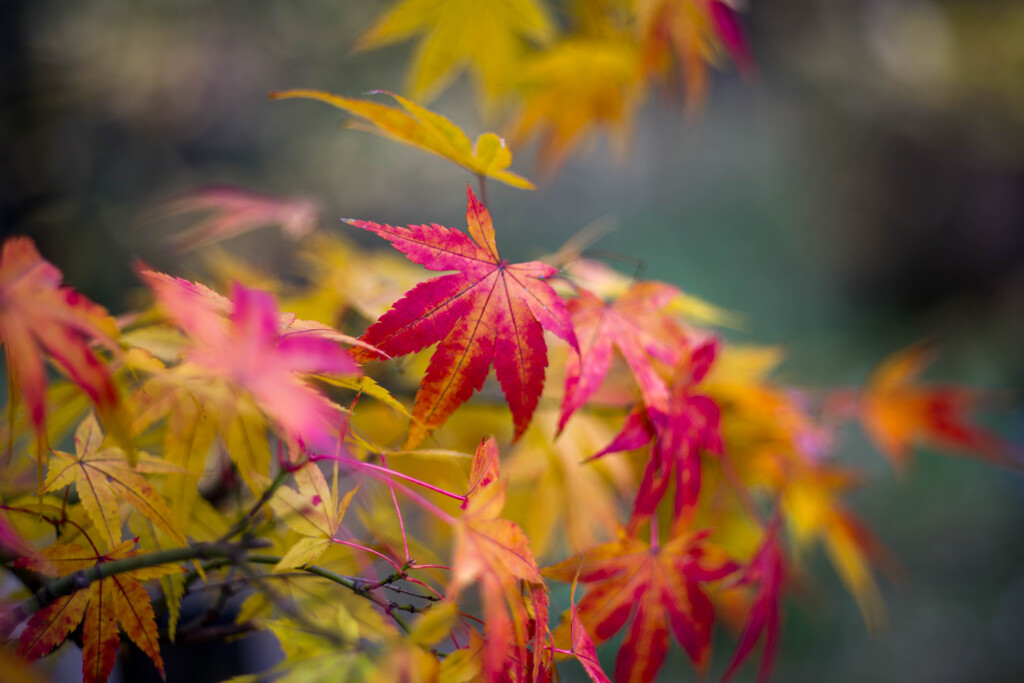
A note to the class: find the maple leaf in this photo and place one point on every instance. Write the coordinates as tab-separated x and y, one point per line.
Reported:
584	651
39	316
654	588
235	211
488	38
897	411
634	323
104	478
260	351
766	570
489	312
691	32
496	553
419	127
189	435
314	511
574	87
688	426
120	599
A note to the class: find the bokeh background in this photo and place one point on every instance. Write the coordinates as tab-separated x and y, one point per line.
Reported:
864	193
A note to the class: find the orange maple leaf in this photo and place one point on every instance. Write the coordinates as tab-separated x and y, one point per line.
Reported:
118	599
897	411
691	34
496	553
573	88
39	318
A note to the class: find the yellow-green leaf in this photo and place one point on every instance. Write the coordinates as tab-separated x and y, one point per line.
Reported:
370	387
248	445
306	551
190	433
435	624
313	510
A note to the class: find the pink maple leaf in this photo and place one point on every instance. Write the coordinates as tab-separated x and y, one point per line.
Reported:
256	348
235	211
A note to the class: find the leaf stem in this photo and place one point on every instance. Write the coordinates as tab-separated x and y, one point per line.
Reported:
482	180
357	546
398	510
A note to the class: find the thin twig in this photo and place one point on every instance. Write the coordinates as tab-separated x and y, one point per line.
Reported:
246	522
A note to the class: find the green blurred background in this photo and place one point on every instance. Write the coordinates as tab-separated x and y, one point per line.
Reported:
864	193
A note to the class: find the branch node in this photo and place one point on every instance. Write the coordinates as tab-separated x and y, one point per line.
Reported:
80	580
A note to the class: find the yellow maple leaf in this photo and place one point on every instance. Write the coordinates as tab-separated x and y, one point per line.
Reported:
551	487
343	278
419	127
574	88
487	38
104	478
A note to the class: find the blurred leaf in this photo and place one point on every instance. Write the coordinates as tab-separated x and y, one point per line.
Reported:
419	127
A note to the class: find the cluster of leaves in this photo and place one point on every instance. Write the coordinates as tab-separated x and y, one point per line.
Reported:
227	443
564	80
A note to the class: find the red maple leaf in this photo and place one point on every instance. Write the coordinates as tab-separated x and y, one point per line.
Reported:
688	426
488	312
655	588
636	325
766	571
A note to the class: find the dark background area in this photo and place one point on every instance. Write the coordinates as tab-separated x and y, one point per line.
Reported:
864	193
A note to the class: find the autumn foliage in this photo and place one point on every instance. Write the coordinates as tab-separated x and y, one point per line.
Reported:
334	449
